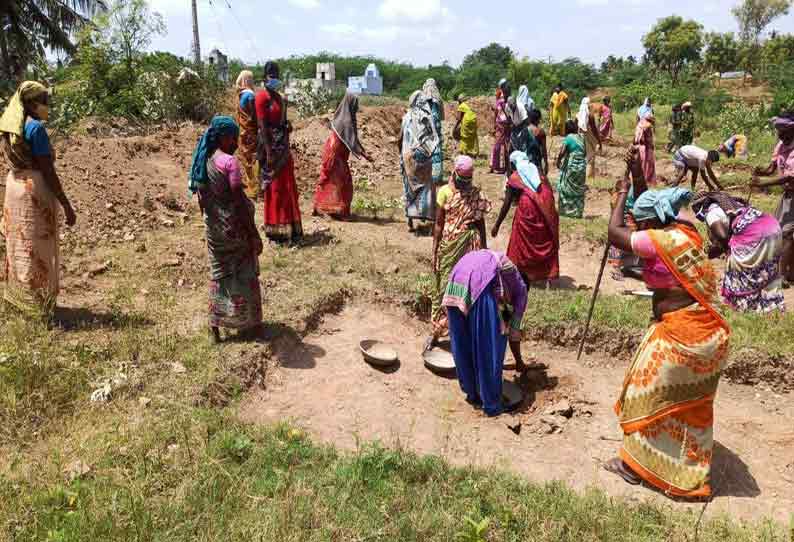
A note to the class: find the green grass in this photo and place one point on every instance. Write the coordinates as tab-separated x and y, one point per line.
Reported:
203	476
593	230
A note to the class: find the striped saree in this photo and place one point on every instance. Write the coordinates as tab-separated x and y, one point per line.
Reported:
666	408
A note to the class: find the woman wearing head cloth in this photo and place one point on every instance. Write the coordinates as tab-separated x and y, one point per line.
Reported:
499	151
33	193
572	163
535	237
644	139
753	242
783	165
334	192
522	138
417	143
246	118
233	242
589	131
433	97
666	406
282	214
607	123
459	229
465	130
645	109
560	111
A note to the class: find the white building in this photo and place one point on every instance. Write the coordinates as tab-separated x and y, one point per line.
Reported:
370	83
221	63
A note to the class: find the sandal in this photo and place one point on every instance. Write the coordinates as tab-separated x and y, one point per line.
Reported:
617	466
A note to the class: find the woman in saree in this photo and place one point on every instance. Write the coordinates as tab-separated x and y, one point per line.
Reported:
560	111
233	242
645	110
572	163
246	119
418	141
753	242
783	165
607	123
644	139
735	147
334	191
459	229
535	237
277	168
522	138
666	407
33	194
465	130
501	132
485	300
433	97
589	131
541	159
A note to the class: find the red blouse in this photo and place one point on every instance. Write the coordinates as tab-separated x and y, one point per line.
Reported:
268	108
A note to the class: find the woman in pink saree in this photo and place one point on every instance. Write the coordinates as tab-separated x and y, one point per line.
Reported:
644	139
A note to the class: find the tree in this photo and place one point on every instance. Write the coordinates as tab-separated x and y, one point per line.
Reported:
493	55
32	26
672	44
753	16
722	52
130	27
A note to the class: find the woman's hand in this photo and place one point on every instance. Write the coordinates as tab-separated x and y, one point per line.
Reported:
622	185
435	262
495	230
71	217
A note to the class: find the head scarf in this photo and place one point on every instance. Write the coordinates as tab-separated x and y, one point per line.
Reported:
515	112
686	105
661	204
783	123
524	100
219	127
704	200
528	171
420	130
464	167
584	114
13	119
645	109
430	90
245	80
344	123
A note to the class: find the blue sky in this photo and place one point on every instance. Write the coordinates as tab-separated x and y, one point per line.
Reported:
431	31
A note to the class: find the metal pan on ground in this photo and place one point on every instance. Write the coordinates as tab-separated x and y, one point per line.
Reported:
378	353
511	395
439	361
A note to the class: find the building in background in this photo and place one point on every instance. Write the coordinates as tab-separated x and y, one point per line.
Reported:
370	83
325	78
221	64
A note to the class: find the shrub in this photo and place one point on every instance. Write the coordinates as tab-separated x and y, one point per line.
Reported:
310	101
741	118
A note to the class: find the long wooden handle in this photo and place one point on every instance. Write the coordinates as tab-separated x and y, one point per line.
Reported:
593	301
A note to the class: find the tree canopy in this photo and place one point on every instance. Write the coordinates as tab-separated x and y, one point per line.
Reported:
672	44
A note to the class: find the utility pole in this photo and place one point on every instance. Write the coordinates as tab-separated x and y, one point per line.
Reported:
196	43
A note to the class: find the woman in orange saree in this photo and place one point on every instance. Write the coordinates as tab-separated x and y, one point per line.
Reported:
246	119
666	407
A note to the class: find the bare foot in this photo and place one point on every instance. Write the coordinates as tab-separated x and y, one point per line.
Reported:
617	466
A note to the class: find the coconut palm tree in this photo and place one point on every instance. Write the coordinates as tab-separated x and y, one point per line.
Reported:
29	27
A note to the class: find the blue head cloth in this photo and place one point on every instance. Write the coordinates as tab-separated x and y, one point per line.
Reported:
662	204
528	171
219	127
274	84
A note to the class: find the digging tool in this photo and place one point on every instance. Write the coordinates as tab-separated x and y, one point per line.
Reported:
593	301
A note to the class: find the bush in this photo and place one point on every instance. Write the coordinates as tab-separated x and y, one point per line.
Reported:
310	101
741	118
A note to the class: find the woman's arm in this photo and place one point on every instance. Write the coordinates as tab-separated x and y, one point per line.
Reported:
508	201
438	230
544	152
561	156
241	203
710	177
47	168
483	236
768	172
592	126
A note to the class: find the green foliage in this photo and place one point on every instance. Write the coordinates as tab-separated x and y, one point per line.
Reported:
672	44
574	75
753	16
474	531
492	54
741	118
310	100
722	52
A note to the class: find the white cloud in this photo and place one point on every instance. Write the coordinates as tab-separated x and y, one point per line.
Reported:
305	4
339	29
412	10
281	20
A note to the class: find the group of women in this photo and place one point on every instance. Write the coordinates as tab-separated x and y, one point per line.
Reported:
666	404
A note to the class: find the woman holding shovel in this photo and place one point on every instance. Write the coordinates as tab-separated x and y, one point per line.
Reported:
666	407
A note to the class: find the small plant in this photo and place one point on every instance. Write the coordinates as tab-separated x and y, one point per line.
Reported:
473	531
311	100
235	446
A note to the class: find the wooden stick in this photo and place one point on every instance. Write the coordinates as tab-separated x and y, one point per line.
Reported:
593	301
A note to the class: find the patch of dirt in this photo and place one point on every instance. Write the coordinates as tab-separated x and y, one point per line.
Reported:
324	385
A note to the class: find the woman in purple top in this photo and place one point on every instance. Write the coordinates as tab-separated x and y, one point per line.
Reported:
485	302
233	242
